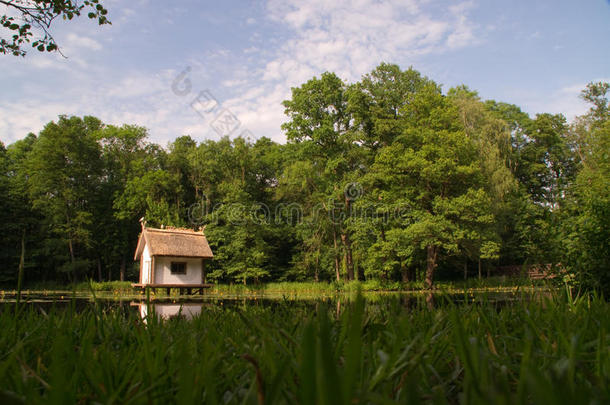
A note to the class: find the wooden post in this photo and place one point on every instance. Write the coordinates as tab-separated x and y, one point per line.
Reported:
203	277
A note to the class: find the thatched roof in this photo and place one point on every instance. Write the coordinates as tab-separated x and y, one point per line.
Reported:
173	242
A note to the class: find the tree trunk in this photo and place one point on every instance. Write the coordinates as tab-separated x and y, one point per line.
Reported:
465	269
480	268
404	271
337	270
430	301
71	250
347	244
384	258
21	265
122	275
99	270
349	262
71	247
432	253
316	276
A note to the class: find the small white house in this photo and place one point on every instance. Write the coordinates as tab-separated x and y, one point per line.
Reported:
173	258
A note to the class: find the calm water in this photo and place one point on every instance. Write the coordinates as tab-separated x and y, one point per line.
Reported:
189	307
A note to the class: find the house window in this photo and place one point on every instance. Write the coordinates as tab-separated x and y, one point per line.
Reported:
178	268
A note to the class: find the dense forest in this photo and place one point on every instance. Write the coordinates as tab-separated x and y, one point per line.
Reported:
389	178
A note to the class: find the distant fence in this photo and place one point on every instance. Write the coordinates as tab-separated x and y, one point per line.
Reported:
533	271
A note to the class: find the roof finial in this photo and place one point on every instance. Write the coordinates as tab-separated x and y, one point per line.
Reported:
143	222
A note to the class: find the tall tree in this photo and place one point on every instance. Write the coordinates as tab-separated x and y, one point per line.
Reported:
20	216
123	154
435	172
586	218
376	103
240	224
64	170
320	124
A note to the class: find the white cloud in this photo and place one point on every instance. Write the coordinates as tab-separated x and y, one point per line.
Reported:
565	100
133	98
82	41
350	38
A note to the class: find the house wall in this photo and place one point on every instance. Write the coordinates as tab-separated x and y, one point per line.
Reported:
145	262
189	311
166	311
163	270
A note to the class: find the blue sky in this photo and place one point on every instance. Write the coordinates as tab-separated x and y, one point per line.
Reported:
248	54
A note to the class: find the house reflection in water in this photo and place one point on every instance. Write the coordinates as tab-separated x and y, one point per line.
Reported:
166	310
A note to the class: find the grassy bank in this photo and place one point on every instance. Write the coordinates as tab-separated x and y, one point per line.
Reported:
556	351
324	288
310	288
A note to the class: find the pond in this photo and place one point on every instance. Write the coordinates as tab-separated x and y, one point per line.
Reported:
188	307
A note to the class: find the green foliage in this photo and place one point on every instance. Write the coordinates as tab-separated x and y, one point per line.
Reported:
34	19
433	171
112	286
586	221
63	171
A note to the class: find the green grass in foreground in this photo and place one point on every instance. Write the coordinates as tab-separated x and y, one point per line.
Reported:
552	352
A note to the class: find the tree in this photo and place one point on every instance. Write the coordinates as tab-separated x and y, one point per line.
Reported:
492	138
34	19
433	170
18	216
247	244
377	101
301	193
64	169
319	124
376	104
7	272
124	149
586	219
542	159
179	165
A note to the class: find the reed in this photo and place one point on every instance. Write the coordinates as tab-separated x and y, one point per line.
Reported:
552	350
